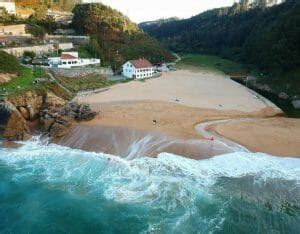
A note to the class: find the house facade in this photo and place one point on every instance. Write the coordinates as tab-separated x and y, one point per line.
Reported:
138	69
71	59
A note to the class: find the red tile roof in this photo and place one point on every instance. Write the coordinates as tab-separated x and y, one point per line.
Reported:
3	39
67	56
141	63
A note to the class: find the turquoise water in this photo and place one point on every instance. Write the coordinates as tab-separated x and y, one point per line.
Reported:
53	189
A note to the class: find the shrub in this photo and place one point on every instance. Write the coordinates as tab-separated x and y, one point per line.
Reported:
30	54
9	63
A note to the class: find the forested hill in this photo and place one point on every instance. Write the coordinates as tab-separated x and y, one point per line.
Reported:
267	36
114	37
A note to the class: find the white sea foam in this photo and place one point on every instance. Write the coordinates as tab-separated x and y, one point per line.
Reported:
143	179
168	183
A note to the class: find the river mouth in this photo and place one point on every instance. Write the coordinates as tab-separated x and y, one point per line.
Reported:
285	105
130	143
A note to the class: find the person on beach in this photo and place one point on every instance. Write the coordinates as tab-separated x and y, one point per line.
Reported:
212	140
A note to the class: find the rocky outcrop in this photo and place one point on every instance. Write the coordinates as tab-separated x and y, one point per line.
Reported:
57	121
12	124
24	112
53	123
284	96
32	101
58	130
51	112
53	101
79	112
296	103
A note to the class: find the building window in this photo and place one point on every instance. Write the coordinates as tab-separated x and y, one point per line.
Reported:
64	63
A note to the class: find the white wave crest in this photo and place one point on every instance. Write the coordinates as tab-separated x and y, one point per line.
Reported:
143	179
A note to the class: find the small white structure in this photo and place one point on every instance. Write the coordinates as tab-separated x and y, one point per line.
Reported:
71	59
9	6
138	69
163	68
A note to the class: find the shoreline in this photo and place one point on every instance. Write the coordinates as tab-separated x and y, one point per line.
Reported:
127	124
177	102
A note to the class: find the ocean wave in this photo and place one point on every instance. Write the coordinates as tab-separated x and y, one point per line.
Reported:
143	175
177	186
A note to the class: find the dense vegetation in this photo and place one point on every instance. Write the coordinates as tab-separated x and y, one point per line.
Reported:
115	38
63	5
252	32
212	63
8	63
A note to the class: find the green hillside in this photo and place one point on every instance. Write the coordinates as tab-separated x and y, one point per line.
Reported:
251	32
115	38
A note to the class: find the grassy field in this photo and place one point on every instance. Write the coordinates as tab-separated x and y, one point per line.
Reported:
214	63
23	82
84	83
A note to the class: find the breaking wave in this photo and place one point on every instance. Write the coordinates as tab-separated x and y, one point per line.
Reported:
58	189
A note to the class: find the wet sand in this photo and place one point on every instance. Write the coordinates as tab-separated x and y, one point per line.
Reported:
127	129
131	143
276	136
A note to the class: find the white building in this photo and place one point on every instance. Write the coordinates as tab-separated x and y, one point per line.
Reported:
138	69
9	6
71	59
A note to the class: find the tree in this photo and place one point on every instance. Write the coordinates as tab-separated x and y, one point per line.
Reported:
30	54
37	31
245	4
40	13
4	15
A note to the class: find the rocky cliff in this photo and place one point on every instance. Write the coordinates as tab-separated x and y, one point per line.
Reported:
52	115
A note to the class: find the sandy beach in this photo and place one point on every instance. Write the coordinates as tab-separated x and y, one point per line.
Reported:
206	90
180	100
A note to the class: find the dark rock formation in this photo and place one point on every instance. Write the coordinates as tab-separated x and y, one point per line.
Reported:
79	112
296	103
283	96
54	123
12	124
58	130
53	114
32	101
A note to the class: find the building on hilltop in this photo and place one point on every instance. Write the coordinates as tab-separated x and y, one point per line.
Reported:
138	69
9	6
71	59
38	49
